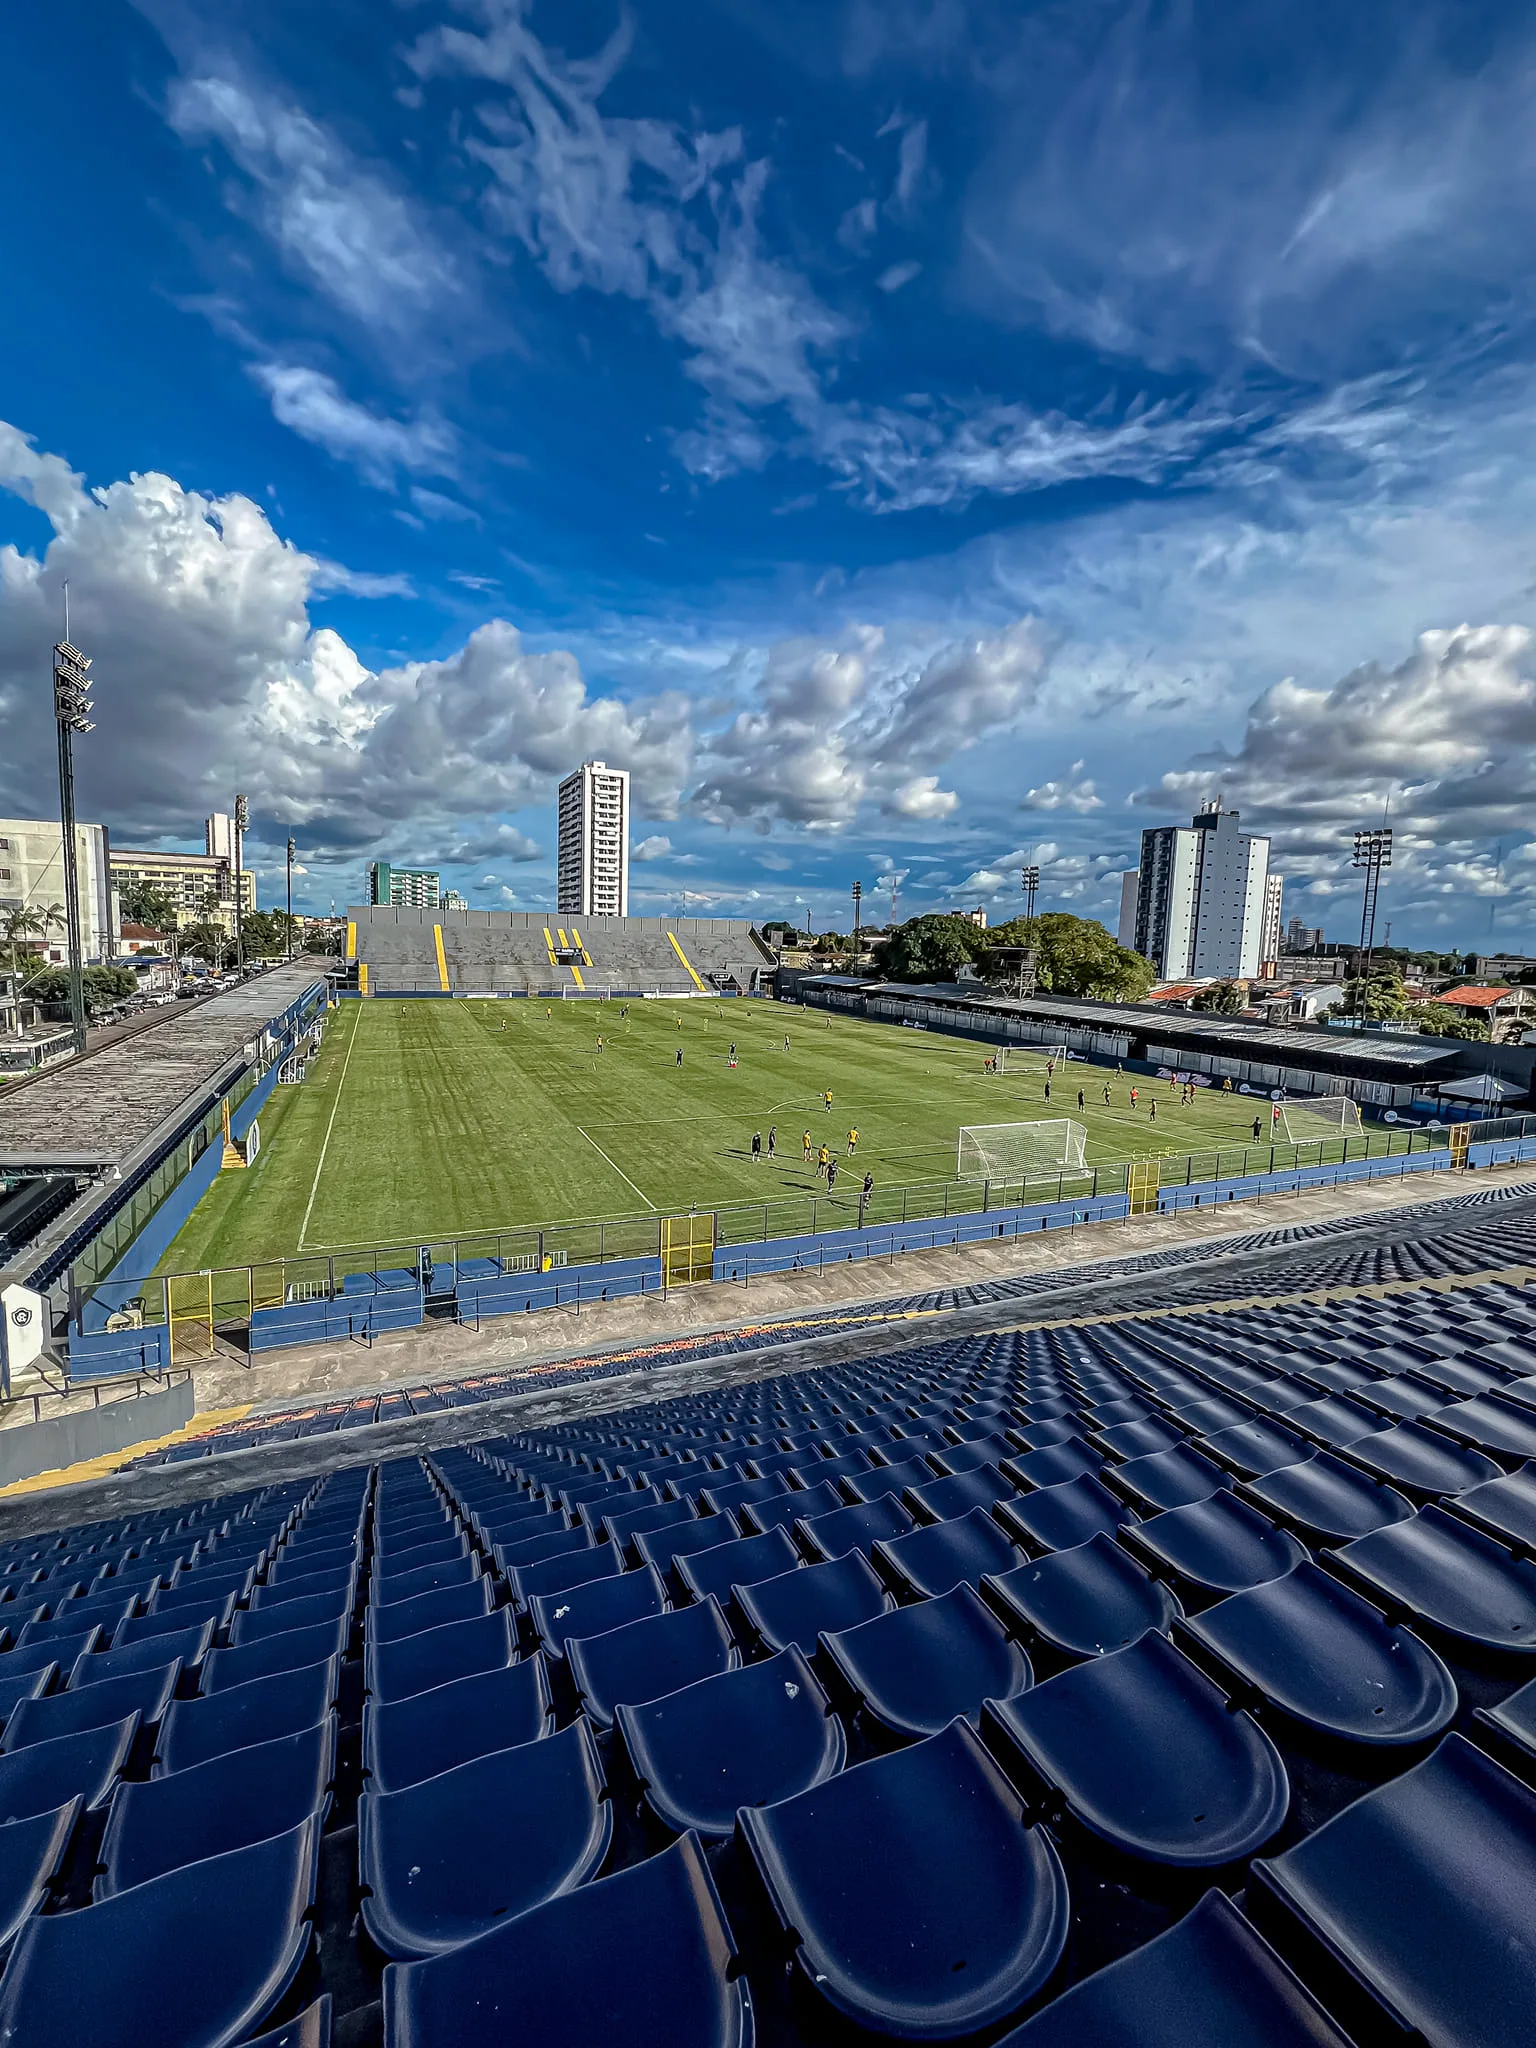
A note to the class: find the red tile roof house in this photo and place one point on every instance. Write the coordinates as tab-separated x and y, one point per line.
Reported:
1508	1010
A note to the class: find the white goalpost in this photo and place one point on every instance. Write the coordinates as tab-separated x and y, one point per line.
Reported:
1320	1116
1014	1151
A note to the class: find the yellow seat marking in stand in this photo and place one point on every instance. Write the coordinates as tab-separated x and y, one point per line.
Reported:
677	949
442	963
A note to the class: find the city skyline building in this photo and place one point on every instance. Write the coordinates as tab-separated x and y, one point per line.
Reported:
32	878
405	888
593	872
1200	896
1274	907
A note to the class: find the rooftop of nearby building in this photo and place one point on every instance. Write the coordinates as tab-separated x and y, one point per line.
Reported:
1470	996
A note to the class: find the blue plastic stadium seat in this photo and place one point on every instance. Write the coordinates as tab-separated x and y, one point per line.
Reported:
1209	1982
1328	1659
1217	1792
746	1562
399	1561
295	1652
593	1609
437	1656
32	1854
562	1574
443	1860
783	1510
644	1958
646	1659
1448	1575
945	1500
1250	1448
226	1803
1219	1545
742	1738
1140	1438
944	1554
315	1610
145	1693
430	1610
883	1480
24	1684
1058	1517
1514	1719
1506	1508
832	1535
526	1550
1054	1464
338	1580
921	1904
195	1958
1421	1462
1492	1423
390	1590
1084	1601
194	1731
661	1546
186	1646
312	2029
1327	1498
1423	1890
799	1606
452	1724
1168	1479
971	1452
914	1670
621	1529
740	1493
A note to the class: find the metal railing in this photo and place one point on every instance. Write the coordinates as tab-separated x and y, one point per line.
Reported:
199	1303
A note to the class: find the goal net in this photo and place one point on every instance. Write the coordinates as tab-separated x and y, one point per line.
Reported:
1014	1151
1323	1116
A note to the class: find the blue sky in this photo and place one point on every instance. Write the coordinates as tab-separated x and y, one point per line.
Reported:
911	437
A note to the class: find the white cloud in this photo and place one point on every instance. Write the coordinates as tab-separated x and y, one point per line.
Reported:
899	274
657	847
314	406
922	798
343	227
1070	793
433	505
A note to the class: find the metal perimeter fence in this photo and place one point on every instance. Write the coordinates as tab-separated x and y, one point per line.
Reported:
228	1296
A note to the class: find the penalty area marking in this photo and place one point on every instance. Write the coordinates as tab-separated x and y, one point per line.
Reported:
623	1176
330	1126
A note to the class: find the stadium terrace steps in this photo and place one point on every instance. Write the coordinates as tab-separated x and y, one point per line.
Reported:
947	1762
488	952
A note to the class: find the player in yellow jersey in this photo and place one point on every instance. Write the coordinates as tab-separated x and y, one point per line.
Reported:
853	1141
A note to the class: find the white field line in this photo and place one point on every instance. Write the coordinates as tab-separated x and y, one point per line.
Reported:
330	1126
623	1176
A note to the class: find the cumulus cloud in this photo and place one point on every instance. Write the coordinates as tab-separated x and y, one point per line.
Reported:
899	274
921	798
1448	736
1071	793
657	847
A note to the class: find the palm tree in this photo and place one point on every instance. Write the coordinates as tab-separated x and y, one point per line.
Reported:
19	924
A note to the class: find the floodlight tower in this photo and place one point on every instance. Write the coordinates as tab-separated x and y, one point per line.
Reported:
290	896
858	911
1029	882
70	705
1373	852
242	819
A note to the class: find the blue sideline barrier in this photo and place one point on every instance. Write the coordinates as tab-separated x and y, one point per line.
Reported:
1294	1180
508	1294
814	1251
317	1322
106	1354
1502	1152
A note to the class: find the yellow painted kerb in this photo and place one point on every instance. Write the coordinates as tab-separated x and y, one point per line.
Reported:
677	949
442	963
351	939
362	977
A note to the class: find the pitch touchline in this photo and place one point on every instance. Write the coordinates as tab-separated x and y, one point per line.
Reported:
330	1126
623	1176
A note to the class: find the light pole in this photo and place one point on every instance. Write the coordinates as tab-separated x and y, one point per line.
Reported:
1029	882
242	819
290	897
858	908
1373	852
70	705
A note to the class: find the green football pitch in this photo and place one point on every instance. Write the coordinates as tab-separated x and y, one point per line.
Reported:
428	1120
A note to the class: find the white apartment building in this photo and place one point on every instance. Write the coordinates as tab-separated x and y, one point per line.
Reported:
1269	936
1201	896
1130	889
32	878
593	876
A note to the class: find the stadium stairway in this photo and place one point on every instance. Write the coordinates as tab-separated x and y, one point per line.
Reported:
1165	1681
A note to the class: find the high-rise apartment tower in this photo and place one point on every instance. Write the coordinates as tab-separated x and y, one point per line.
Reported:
1201	895
594	842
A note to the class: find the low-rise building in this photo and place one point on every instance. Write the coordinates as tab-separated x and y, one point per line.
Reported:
32	880
1509	1011
199	886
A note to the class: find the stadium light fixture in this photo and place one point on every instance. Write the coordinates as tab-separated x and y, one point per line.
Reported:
1373	852
291	850
70	706
1029	881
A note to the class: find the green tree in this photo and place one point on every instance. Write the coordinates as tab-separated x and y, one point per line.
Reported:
104	987
930	948
1074	956
207	941
19	927
1223	998
143	903
1381	998
266	934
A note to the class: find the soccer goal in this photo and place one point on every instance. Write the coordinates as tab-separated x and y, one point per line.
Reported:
1323	1116
1014	1151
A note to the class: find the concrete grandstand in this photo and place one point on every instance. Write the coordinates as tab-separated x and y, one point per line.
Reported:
395	951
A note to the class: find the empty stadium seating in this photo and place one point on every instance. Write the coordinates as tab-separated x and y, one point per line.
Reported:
1170	1679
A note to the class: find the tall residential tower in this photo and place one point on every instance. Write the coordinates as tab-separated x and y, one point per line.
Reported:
1201	896
594	842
